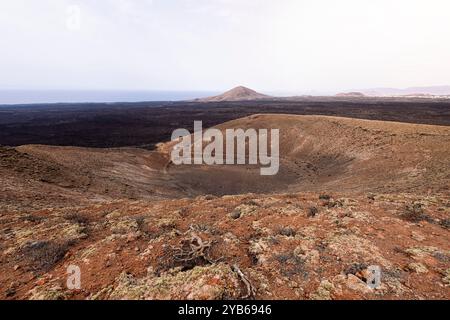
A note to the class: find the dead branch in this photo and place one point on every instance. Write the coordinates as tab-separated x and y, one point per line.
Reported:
193	249
251	290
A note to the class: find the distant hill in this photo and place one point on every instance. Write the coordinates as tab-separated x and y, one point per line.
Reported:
351	94
237	94
412	91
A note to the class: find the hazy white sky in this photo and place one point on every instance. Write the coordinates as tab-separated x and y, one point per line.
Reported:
269	45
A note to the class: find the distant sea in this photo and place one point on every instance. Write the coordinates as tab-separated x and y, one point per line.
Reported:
66	96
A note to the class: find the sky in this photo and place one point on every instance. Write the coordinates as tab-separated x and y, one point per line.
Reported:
298	46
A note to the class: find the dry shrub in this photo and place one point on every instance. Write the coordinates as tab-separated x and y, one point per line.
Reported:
291	265
415	213
42	256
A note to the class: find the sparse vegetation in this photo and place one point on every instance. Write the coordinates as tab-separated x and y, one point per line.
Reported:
445	223
312	212
291	265
42	256
32	218
286	231
415	213
77	218
324	197
355	268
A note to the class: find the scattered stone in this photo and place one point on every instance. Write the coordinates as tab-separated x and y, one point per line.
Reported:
235	214
356	284
312	212
245	209
356	268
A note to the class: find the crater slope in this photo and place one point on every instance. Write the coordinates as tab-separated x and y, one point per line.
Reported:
317	153
320	153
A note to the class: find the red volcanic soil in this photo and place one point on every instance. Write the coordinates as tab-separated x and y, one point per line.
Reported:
350	194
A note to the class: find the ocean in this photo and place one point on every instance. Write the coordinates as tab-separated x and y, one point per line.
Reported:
8	97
